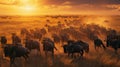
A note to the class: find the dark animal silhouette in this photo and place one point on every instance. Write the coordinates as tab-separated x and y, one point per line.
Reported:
56	38
24	32
37	35
32	44
83	44
48	46
73	49
15	51
43	31
64	37
98	43
114	43
15	39
3	40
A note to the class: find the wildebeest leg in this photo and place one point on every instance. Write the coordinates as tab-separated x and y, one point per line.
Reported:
72	55
39	51
55	48
26	57
46	53
81	53
95	47
103	46
12	62
53	56
115	50
68	54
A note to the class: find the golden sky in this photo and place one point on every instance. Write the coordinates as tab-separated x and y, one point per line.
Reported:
58	7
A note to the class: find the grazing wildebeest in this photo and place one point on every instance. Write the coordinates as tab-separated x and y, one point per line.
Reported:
32	44
56	38
71	49
83	44
48	46
15	51
114	43
98	42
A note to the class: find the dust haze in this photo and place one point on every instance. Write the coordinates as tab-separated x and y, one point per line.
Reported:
84	27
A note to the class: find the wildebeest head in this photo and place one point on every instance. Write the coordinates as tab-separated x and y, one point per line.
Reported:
65	48
3	40
114	43
7	51
98	42
107	43
87	49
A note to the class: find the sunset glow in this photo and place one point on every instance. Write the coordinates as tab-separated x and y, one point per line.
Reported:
55	7
28	8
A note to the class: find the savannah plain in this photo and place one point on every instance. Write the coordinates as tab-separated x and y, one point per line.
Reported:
77	27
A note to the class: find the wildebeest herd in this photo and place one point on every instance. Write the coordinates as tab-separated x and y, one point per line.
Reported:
33	39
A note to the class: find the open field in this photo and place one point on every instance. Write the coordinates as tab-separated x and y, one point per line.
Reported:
81	27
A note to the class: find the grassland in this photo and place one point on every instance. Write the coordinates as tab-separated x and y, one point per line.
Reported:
99	58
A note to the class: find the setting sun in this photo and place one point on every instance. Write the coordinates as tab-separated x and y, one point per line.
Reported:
28	8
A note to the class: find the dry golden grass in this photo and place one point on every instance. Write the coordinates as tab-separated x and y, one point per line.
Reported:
99	58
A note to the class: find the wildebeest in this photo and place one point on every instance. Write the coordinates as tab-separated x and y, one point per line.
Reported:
32	44
15	51
83	44
56	38
37	35
3	40
64	37
98	43
43	31
53	29
114	43
73	47
24	32
48	46
15	39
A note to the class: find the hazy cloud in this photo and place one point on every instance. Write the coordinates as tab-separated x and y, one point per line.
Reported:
69	6
78	2
86	4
